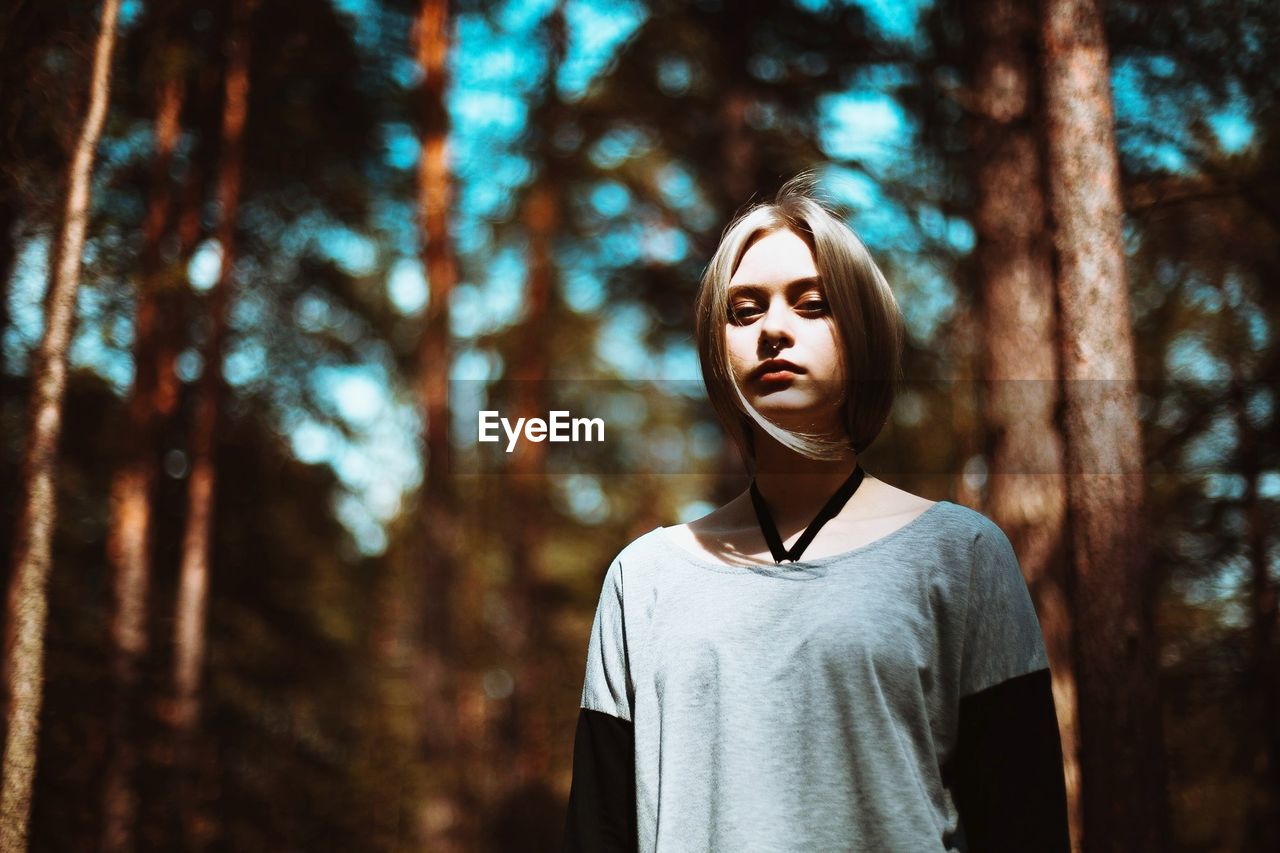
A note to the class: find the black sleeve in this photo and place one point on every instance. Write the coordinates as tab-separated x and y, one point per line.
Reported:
1006	776
602	798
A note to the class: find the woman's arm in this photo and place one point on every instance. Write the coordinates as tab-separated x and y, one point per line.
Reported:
1006	768
602	800
1006	774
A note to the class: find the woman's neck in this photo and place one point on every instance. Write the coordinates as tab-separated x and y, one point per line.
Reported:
796	487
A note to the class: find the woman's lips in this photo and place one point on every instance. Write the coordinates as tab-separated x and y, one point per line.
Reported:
777	371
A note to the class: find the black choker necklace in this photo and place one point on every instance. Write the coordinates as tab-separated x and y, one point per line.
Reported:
828	512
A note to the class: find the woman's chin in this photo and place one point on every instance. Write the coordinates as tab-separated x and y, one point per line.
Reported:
792	411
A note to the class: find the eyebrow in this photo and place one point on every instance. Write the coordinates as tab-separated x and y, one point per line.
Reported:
809	281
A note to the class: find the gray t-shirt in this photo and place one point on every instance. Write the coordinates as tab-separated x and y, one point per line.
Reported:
807	706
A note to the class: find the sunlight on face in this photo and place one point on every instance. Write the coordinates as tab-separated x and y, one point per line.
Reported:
778	310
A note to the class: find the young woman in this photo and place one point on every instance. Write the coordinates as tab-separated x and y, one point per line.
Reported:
825	663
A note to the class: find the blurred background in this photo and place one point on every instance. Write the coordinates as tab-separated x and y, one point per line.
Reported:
288	610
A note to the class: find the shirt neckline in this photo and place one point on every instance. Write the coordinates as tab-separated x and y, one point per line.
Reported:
783	568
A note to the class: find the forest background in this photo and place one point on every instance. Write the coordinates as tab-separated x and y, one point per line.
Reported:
287	603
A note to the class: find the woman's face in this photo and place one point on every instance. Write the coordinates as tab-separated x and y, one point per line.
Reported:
778	311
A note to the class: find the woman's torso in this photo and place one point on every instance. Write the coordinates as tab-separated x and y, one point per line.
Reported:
798	707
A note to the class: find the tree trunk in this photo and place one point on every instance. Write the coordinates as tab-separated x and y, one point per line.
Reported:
191	231
432	575
962	346
739	149
1262	831
737	142
1123	796
9	211
193	582
27	601
1026	489
528	735
731	475
129	533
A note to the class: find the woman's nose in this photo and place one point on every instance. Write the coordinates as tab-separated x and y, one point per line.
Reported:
775	328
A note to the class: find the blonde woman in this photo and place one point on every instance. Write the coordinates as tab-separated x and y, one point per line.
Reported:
826	662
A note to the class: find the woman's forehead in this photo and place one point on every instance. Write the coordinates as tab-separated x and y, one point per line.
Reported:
778	258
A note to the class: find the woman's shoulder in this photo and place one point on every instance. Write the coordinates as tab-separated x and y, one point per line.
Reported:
716	536
638	551
965	535
956	534
965	518
721	522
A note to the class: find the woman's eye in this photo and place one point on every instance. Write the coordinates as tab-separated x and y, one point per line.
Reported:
740	313
814	305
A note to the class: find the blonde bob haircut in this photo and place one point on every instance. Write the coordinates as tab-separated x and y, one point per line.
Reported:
868	324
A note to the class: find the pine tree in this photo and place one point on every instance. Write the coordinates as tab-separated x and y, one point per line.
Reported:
32	557
1123	804
1026	494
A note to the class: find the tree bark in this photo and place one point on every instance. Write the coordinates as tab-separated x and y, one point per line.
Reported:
129	532
9	211
528	736
1124	801
27	602
737	142
1026	488
190	611
432	576
1262	830
962	352
737	146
